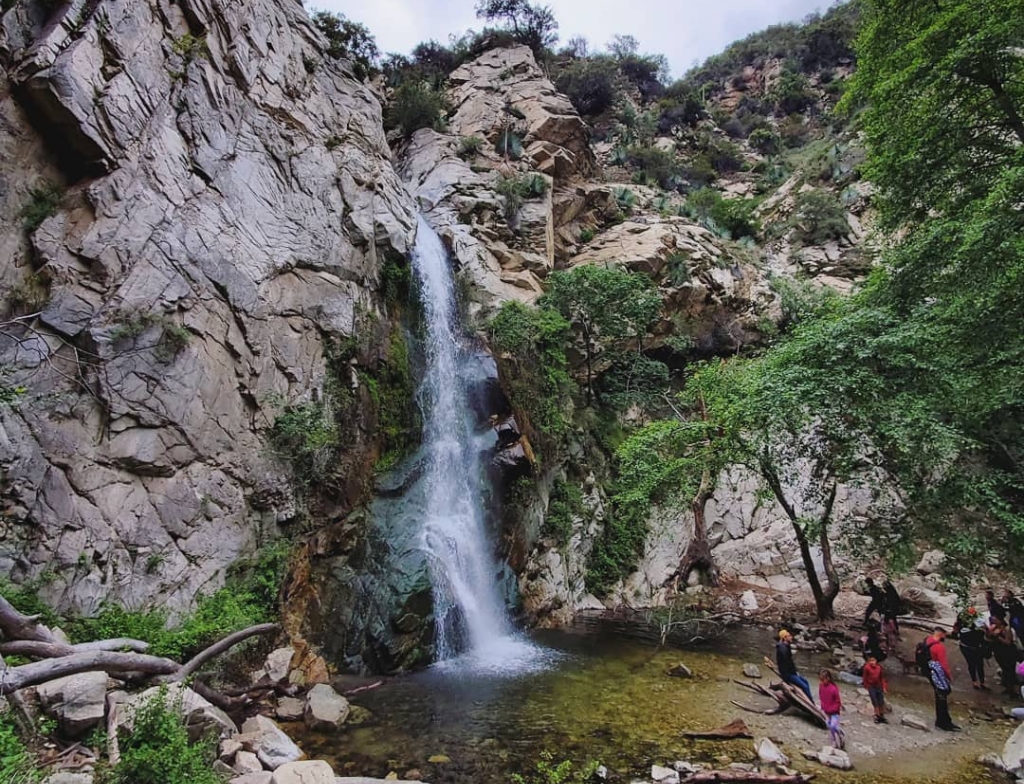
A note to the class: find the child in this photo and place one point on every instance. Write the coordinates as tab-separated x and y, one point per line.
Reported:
875	683
831	705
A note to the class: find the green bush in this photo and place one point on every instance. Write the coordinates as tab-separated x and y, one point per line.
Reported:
415	105
730	218
29	295
764	141
470	147
514	190
509	145
348	40
589	84
818	218
157	750
625	199
565	504
307	435
44	202
586	235
792	94
658	166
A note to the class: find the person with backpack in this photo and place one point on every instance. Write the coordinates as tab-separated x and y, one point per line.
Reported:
874	681
787	667
934	648
969	631
995	609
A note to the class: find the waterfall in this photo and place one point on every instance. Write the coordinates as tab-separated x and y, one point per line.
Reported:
469	612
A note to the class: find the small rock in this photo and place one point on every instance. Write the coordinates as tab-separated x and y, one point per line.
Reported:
743	767
290	708
1013	751
993	761
223	770
276	666
601	773
64	777
769	753
439	759
680	670
247	762
914	722
413	774
849	677
309	772
325	708
834	758
661	775
686	768
751	671
748	602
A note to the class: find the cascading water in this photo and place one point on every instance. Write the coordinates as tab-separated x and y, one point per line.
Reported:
470	616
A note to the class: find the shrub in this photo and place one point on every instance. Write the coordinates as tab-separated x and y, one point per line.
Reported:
29	295
174	337
514	190
189	47
730	218
586	235
307	435
157	751
792	94
470	147
415	105
509	145
43	203
818	218
658	166
565	504
589	84
625	199
17	765
764	141
794	131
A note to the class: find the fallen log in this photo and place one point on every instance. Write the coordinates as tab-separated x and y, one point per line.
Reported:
727	776
736	728
26	637
796	697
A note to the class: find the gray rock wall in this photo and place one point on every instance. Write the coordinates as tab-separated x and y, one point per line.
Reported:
229	196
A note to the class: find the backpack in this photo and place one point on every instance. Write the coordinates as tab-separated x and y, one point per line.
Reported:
922	656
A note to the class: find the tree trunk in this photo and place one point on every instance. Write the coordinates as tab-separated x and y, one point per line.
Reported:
698	553
823	597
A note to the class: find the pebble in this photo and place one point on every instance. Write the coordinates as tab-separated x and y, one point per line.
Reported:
751	671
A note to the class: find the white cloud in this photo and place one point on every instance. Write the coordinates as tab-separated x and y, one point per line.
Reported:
684	30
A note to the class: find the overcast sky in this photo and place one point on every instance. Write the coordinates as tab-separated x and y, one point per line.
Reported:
686	31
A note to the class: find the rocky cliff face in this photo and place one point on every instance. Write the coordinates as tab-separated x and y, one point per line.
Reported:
222	201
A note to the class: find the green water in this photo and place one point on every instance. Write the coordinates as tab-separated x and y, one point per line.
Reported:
605	700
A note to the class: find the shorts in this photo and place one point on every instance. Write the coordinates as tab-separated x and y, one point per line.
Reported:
833	722
877	696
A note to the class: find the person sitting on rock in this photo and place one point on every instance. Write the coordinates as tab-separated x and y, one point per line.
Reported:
787	667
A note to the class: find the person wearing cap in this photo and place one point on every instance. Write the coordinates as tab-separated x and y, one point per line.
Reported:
787	667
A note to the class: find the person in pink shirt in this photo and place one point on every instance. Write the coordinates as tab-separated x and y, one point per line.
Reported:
831	706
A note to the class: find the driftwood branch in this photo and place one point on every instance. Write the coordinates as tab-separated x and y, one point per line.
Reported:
221	646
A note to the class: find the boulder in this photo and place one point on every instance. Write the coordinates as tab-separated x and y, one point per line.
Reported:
263	777
276	666
748	602
751	671
290	708
325	708
200	715
769	753
931	562
228	748
309	772
834	758
247	762
76	702
269	742
1013	751
992	761
662	775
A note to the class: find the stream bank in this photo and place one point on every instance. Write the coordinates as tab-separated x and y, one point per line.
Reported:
610	701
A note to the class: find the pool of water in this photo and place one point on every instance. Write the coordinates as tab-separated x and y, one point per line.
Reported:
576	697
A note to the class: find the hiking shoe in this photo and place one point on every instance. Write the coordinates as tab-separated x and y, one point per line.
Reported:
878	719
949	728
882	720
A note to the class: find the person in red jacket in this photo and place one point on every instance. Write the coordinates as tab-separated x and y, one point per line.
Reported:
831	705
874	681
941	677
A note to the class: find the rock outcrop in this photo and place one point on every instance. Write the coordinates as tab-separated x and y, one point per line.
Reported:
227	201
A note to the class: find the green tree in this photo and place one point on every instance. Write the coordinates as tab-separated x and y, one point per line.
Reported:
605	306
348	40
533	25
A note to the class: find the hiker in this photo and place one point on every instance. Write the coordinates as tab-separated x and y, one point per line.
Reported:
874	681
995	609
831	705
871	644
941	678
891	609
1000	636
970	632
877	600
1015	613
787	667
